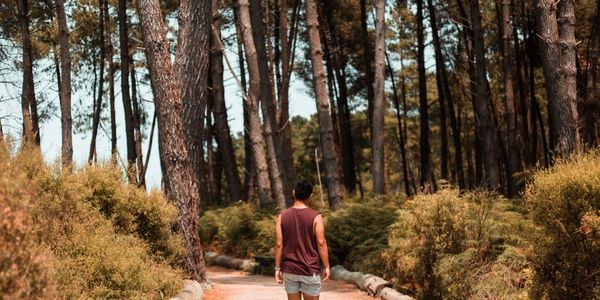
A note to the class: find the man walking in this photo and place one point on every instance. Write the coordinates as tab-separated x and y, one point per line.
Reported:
299	245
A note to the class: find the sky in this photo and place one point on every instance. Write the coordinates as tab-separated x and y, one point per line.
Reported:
10	113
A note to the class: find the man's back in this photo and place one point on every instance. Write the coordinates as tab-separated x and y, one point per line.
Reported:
300	252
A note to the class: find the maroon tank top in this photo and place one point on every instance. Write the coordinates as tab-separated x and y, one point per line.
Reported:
300	254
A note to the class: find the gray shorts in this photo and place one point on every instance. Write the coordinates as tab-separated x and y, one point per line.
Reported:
309	285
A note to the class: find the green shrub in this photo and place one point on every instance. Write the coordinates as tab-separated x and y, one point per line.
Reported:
239	231
564	202
25	267
93	255
357	234
449	245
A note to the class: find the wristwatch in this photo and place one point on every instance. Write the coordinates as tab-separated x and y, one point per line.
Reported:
277	269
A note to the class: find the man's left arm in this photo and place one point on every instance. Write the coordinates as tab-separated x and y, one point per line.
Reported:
278	250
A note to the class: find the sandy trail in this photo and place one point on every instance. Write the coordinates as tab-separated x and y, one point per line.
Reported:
237	285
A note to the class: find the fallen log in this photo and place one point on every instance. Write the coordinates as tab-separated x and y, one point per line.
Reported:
391	294
340	273
192	290
225	261
374	285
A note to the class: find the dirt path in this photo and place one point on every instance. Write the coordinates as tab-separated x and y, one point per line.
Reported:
236	285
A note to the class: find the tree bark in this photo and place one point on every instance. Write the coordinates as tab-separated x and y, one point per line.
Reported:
591	107
556	31
65	91
220	110
137	115
98	103
251	100
192	65
285	135
509	102
179	179
484	121
444	92
377	124
331	163
267	104
367	58
28	88
128	111
347	144
426	178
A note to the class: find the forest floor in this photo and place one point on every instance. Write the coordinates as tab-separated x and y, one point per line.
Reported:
236	285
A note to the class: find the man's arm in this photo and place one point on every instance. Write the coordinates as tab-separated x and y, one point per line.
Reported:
322	245
278	250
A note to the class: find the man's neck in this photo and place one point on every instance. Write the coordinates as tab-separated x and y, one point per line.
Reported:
299	204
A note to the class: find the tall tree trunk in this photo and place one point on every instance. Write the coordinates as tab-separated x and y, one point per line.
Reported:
285	136
444	92
28	89
220	110
111	80
330	159
137	116
267	104
591	107
65	92
367	57
347	145
248	189
128	111
97	109
191	65
556	31
485	123
377	124
179	178
509	102
400	130
426	179
251	100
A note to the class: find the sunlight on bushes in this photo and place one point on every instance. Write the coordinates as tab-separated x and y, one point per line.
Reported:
564	202
452	246
94	235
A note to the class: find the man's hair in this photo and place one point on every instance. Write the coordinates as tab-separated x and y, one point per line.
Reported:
303	189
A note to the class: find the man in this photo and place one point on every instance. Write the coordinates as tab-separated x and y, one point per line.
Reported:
300	242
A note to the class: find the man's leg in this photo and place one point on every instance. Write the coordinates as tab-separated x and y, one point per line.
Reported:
307	297
295	296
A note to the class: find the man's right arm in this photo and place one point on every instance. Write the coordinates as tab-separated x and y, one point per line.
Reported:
322	245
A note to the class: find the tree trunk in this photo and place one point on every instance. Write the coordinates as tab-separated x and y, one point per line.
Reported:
444	92
509	103
28	89
111	80
484	121
334	192
128	112
367	58
65	91
137	115
285	136
267	104
347	145
556	31
251	100
191	65
426	179
591	107
220	109
97	109
179	179
377	124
